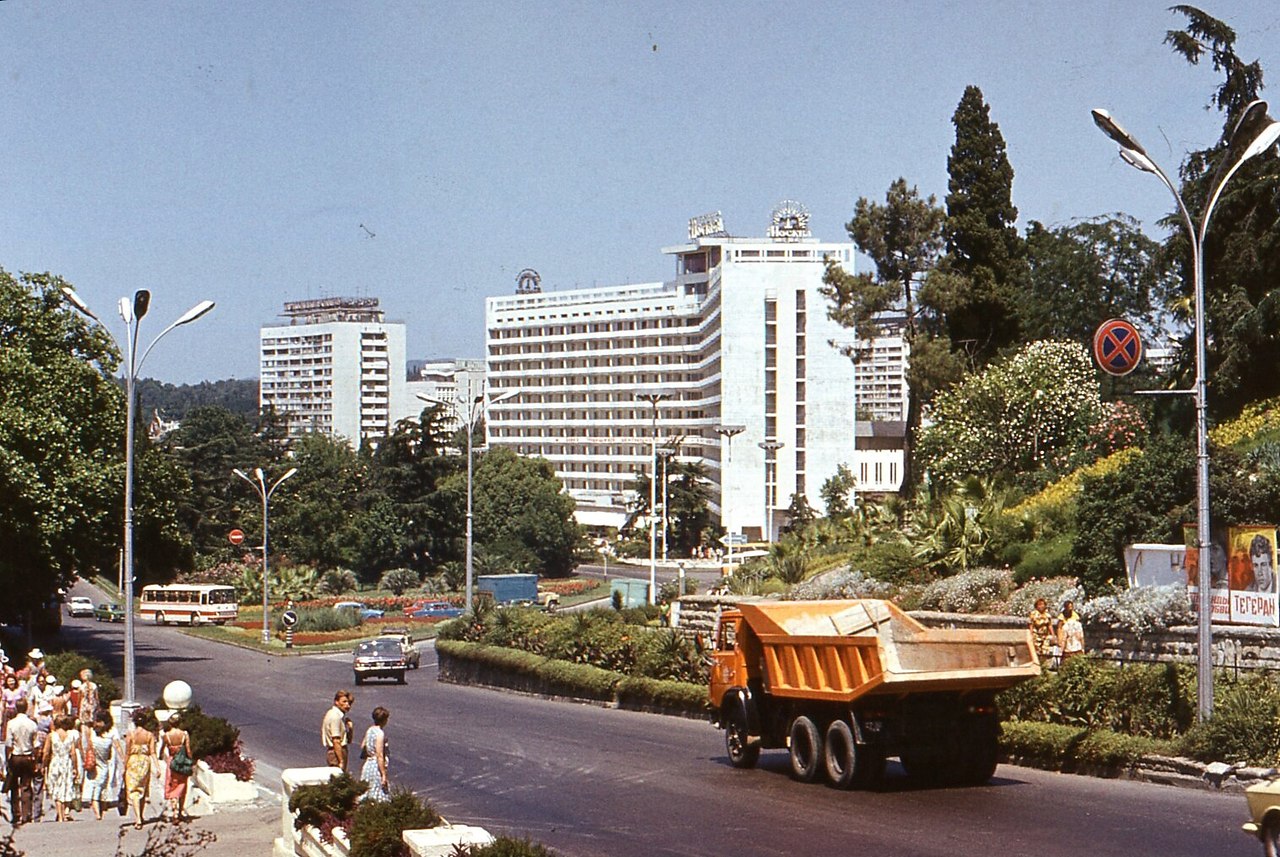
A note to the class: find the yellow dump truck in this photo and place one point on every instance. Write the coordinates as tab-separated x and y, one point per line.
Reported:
843	685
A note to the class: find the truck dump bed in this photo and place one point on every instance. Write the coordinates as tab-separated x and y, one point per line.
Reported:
843	650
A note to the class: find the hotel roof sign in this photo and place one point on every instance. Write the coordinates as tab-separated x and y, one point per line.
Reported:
790	222
705	225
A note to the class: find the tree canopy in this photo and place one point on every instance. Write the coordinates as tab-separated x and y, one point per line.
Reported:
61	436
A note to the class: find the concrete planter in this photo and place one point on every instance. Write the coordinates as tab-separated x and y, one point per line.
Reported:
223	788
432	842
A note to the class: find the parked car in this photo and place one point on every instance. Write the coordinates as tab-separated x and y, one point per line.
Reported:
436	610
1264	814
108	611
412	656
379	658
365	611
78	605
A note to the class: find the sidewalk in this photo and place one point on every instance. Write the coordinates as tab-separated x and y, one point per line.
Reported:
237	830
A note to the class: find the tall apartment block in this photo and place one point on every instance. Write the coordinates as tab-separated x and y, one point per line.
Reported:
336	367
738	339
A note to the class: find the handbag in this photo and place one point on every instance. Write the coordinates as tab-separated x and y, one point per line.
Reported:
181	763
90	760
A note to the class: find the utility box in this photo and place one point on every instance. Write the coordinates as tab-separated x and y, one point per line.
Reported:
509	588
633	593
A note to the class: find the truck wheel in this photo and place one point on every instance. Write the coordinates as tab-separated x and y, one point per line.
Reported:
806	749
979	753
1271	836
400	678
843	756
743	753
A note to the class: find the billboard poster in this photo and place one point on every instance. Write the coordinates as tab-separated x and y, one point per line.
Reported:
1251	562
1220	594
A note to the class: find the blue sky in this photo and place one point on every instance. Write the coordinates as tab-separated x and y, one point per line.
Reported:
233	150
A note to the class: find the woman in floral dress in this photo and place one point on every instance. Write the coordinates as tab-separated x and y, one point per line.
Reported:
140	750
62	765
373	749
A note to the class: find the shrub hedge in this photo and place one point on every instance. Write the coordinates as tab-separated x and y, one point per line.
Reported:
376	826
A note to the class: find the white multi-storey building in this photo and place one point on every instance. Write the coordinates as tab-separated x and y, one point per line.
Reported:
738	339
337	368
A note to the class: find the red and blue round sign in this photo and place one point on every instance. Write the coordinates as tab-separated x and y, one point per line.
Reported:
1117	346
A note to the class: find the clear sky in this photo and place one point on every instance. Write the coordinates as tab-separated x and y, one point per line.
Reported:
424	153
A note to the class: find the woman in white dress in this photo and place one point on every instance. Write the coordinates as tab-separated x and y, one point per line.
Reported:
62	765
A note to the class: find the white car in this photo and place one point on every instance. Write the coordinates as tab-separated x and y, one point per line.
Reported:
78	605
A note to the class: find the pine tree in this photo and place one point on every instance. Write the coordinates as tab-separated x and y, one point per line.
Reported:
985	266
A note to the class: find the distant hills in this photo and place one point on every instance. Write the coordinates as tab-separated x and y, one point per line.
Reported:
176	401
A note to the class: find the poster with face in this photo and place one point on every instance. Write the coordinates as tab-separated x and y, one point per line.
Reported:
1220	596
1252	565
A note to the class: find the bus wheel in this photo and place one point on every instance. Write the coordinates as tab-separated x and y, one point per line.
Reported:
160	619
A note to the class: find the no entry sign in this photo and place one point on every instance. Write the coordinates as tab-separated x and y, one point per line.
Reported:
235	536
1117	347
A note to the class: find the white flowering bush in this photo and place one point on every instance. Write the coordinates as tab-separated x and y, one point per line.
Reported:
842	583
1143	609
973	591
1030	411
1054	590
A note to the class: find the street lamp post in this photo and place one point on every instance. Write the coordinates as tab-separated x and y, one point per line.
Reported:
728	432
259	483
654	398
770	448
1254	133
477	406
132	313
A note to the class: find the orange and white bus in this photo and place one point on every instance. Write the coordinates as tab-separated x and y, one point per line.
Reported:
189	604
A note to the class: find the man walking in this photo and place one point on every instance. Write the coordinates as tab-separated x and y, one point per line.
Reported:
20	746
335	730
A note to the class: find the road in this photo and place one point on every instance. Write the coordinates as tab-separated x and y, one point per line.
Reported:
592	781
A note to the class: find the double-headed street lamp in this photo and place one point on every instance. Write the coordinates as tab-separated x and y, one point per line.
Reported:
259	483
728	432
132	312
770	448
476	407
654	398
1253	134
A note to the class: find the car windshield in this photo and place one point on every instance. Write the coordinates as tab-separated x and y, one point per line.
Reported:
378	648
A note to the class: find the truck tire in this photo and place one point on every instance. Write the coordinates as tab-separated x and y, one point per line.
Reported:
743	753
843	756
806	749
979	751
1271	836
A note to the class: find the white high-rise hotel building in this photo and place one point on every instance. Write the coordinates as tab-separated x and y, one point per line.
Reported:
337	368
740	338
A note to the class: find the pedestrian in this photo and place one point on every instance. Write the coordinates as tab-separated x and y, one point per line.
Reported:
44	727
1070	631
335	730
140	753
89	700
97	777
373	749
1040	623
176	745
62	765
21	760
12	692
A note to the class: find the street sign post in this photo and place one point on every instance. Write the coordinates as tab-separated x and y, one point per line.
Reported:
1117	346
236	537
289	619
734	539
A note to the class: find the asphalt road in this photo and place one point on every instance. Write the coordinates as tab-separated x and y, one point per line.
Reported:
593	781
